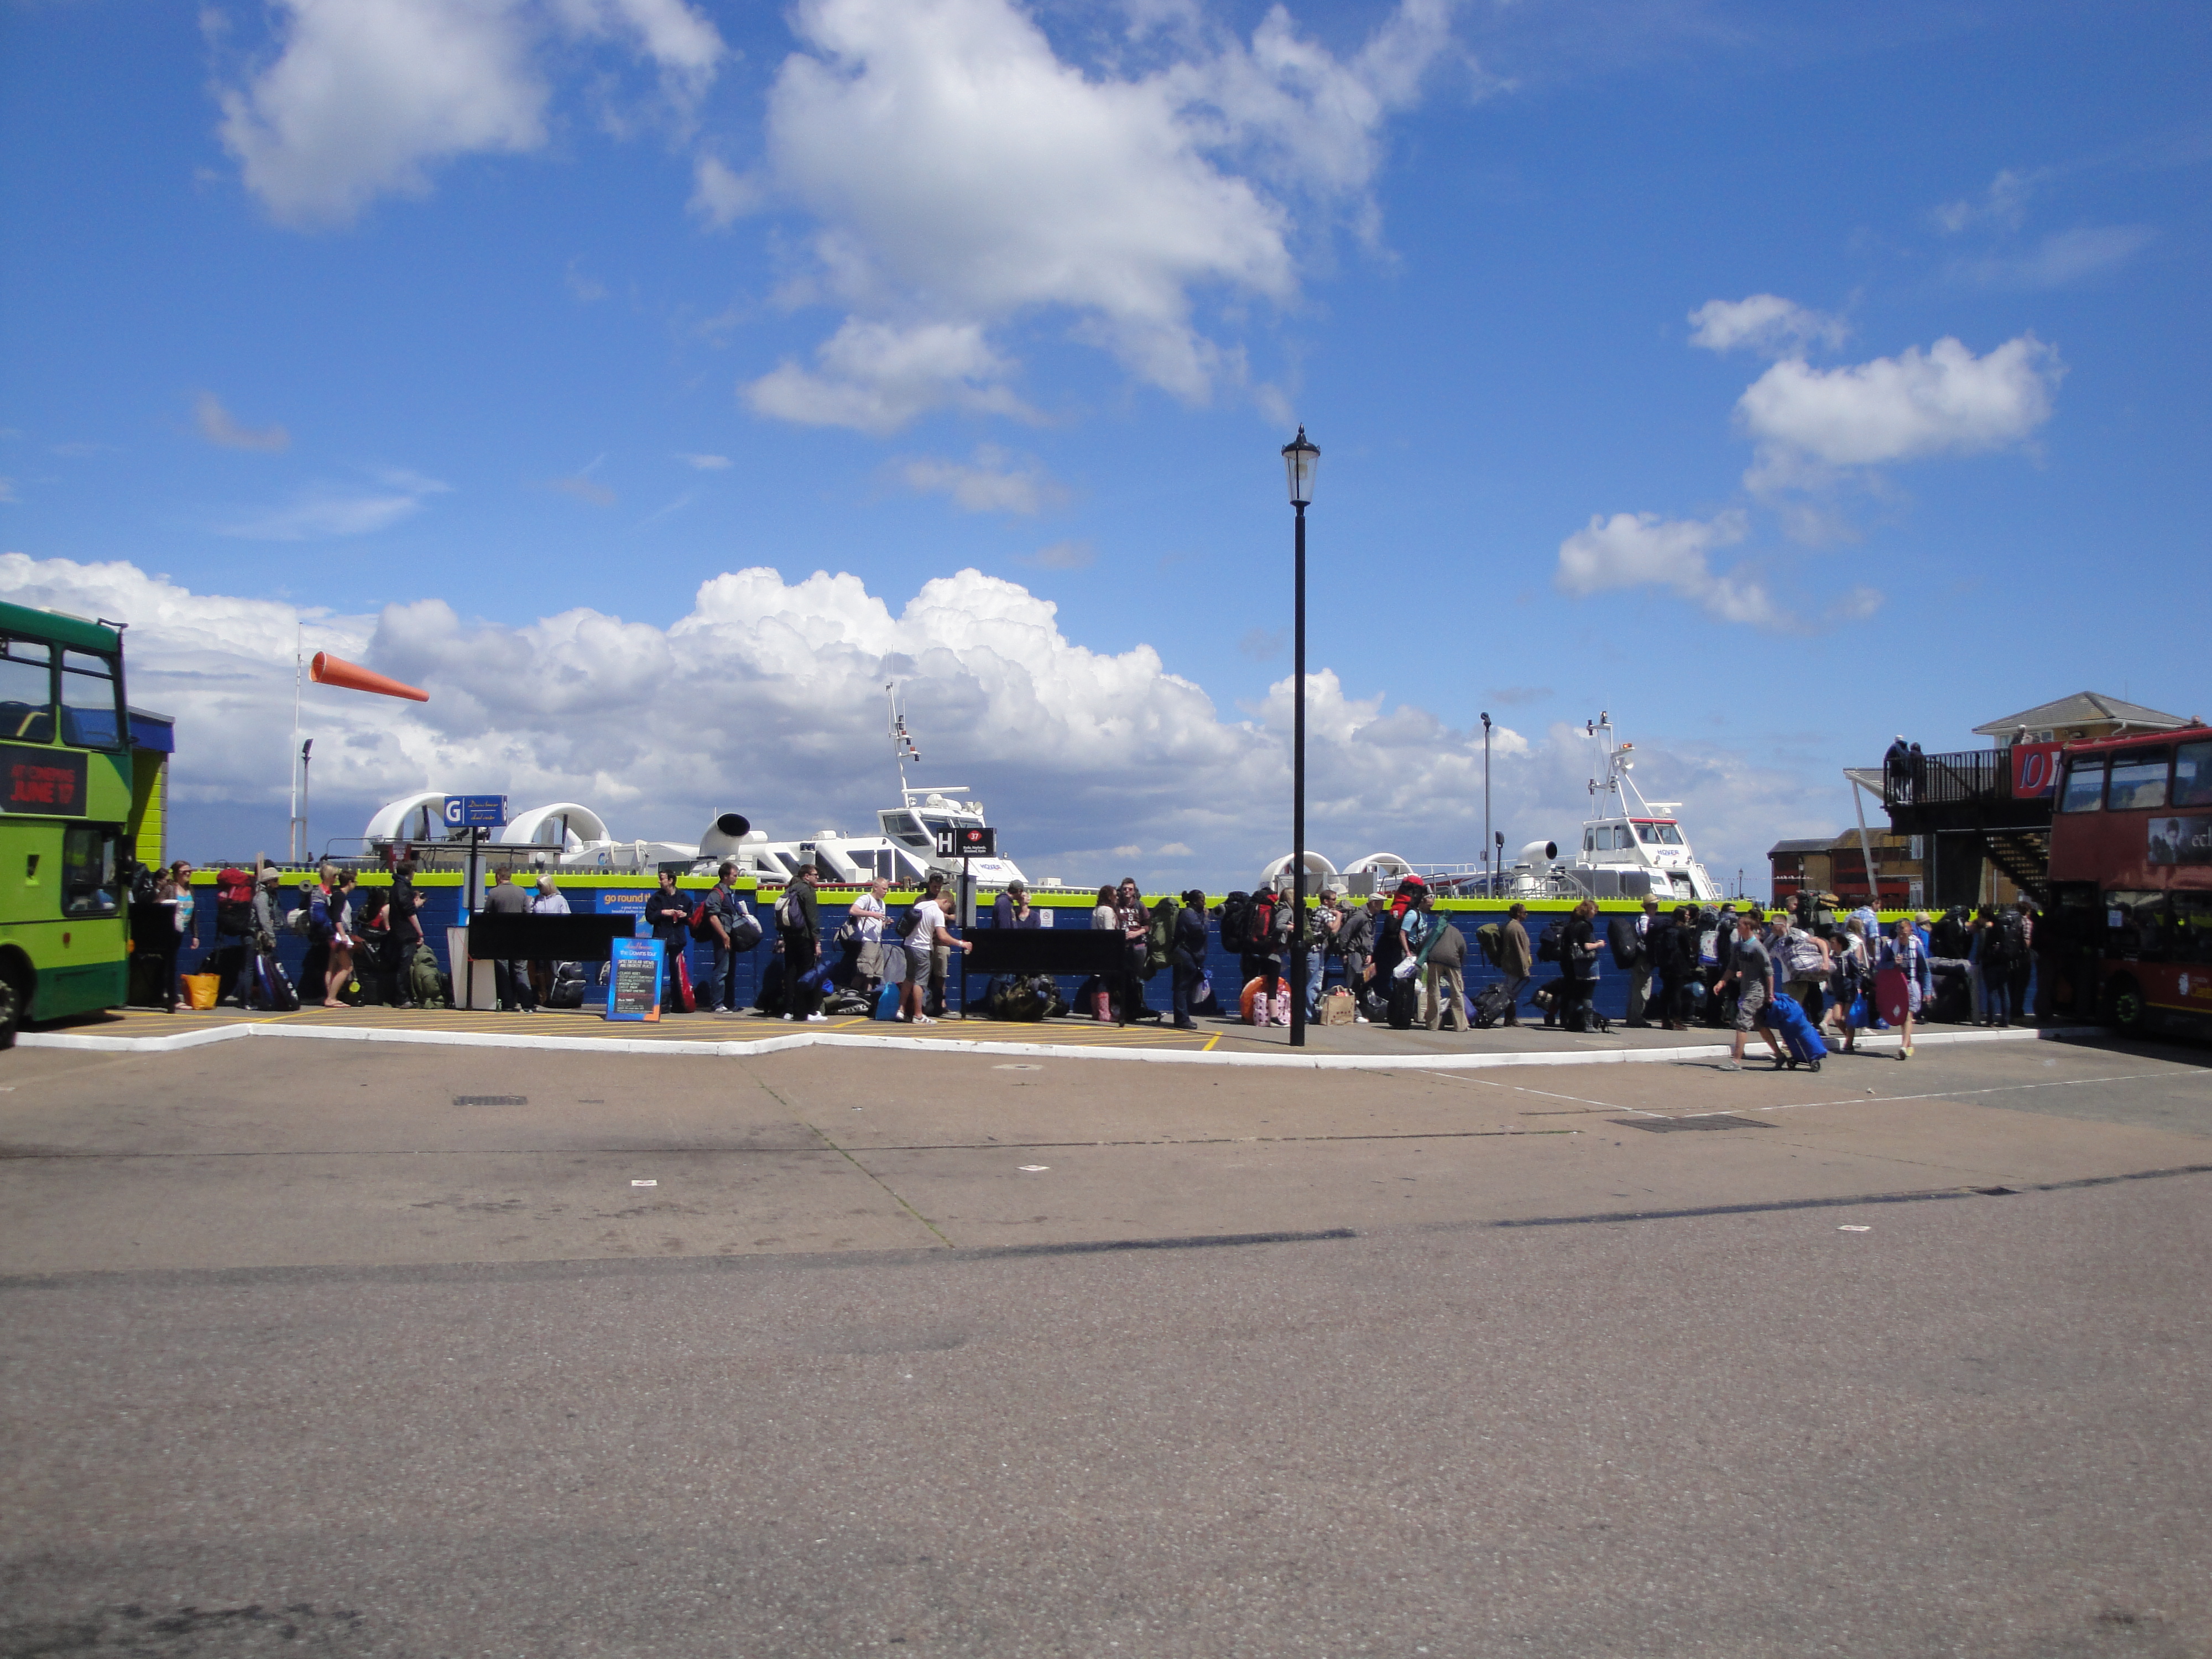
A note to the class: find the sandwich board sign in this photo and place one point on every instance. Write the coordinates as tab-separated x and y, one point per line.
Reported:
475	811
634	972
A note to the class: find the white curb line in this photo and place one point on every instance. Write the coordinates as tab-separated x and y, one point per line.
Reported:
782	1043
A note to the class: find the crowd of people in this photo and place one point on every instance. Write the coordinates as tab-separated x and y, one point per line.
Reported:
1396	959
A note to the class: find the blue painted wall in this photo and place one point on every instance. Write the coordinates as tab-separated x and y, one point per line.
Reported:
441	909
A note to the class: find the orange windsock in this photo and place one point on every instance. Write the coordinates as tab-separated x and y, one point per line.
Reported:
327	670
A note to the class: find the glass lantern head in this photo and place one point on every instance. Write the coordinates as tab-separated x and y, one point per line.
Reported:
1301	459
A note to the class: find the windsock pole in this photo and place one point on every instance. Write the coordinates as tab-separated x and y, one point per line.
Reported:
294	837
327	670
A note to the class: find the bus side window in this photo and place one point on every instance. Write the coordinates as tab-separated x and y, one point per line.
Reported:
92	714
2192	921
2139	780
89	887
27	691
2085	785
2192	774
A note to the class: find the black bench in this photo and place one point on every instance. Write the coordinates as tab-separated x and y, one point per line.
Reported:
1046	951
1028	951
526	938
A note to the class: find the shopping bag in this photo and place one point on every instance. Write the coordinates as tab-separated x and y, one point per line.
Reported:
201	989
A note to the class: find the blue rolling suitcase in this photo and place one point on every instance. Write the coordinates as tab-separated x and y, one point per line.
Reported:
1787	1020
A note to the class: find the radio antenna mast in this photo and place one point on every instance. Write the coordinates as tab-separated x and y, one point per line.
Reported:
902	749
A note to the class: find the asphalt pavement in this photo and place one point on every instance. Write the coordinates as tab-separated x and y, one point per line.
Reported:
389	1351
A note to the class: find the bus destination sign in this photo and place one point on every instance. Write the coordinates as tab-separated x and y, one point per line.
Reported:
47	782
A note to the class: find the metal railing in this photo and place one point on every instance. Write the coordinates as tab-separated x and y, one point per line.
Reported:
1963	778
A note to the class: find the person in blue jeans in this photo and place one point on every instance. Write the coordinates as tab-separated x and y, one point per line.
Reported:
1188	958
721	906
1321	933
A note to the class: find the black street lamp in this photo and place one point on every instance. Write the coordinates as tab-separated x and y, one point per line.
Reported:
1489	872
1301	459
306	750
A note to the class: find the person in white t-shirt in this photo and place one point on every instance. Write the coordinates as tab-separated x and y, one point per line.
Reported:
867	915
928	932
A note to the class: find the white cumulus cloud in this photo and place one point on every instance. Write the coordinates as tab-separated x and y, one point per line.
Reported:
363	98
962	174
1943	401
780	683
1642	549
1764	322
1815	429
879	376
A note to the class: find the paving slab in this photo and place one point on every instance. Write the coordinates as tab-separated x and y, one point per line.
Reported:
1975	1429
408	1155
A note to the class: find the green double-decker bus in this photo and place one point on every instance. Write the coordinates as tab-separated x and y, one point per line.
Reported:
66	777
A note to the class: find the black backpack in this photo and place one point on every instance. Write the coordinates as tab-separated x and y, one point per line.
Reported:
1236	923
2011	938
1549	941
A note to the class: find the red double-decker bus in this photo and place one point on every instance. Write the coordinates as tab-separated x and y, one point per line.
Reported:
2131	880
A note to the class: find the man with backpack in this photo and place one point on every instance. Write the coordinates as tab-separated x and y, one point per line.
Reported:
798	923
261	980
718	921
1355	943
2006	965
1249	929
1578	949
1188	957
1629	937
1443	963
1801	964
234	931
1516	960
1322	929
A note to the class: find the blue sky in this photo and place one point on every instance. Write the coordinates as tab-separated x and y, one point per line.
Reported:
1777	385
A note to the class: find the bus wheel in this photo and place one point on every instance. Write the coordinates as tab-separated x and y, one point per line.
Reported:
2123	1004
11	1008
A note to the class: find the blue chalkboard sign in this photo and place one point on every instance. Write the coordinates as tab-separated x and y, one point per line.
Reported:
634	979
475	812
